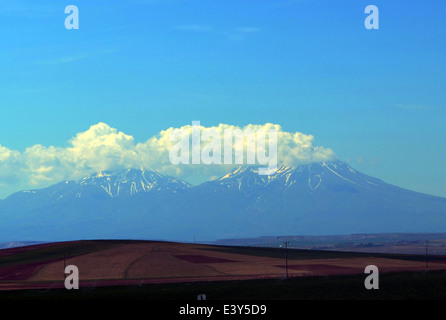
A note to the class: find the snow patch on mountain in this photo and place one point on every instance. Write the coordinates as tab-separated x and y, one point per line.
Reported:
313	176
132	181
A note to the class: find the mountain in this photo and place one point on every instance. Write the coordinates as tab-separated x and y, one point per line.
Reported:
105	184
129	182
101	205
243	179
313	199
311	177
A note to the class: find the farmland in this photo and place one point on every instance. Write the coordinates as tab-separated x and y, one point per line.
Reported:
167	270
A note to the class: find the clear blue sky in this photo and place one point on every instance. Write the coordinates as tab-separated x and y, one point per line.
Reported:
376	97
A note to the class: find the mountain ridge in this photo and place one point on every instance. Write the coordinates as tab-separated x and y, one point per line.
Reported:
96	177
317	198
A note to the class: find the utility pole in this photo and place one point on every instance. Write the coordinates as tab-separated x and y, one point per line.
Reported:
286	258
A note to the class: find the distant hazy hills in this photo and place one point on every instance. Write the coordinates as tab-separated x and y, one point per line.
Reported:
314	199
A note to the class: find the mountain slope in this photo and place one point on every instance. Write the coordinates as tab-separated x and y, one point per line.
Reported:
313	199
102	205
100	185
318	198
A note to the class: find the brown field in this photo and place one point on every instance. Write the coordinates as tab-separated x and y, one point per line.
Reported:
127	262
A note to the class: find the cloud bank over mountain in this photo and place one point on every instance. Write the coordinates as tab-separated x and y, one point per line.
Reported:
103	147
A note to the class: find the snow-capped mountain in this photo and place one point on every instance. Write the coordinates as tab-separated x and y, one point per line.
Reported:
316	198
312	199
104	184
311	178
317	176
129	182
243	179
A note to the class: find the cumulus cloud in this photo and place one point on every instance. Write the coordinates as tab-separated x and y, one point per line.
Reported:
9	166
102	147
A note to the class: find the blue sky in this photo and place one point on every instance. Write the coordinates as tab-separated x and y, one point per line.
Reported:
375	97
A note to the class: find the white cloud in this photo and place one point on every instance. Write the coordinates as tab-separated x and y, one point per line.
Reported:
9	166
102	147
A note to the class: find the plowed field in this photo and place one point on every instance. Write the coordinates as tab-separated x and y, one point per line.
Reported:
102	263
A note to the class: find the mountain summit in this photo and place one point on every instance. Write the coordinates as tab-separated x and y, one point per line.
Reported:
130	181
104	184
313	177
312	199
